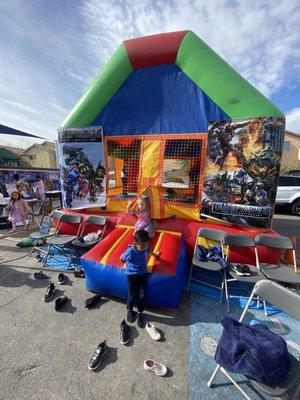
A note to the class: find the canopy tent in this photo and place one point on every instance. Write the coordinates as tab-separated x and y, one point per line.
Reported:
6	130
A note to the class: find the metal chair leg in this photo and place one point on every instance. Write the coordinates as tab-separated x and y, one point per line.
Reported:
226	292
189	281
46	256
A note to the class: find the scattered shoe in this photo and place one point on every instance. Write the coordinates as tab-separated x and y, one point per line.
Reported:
92	301
140	320
130	316
153	332
97	356
124	332
49	292
60	302
79	273
62	279
38	258
40	275
155	367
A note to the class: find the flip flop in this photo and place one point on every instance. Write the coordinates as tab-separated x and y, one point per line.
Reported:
79	273
91	301
40	275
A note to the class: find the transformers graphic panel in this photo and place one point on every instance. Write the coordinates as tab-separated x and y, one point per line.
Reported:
81	159
242	169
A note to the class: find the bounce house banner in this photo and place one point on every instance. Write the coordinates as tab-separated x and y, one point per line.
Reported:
242	169
82	172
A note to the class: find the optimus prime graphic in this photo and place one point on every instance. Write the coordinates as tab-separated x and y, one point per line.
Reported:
80	178
240	193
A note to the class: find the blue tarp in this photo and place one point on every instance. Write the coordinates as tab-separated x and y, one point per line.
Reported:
158	100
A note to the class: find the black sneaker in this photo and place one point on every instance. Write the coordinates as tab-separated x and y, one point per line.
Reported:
60	302
140	320
49	292
124	332
62	278
130	316
97	356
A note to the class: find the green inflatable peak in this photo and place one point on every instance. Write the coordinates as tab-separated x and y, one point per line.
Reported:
226	87
104	86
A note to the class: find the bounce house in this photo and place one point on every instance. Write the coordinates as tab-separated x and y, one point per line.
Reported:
178	124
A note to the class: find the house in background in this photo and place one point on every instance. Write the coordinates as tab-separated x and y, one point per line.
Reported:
41	155
291	150
9	158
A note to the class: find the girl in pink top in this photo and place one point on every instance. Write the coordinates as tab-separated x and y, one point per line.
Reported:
40	188
142	212
18	210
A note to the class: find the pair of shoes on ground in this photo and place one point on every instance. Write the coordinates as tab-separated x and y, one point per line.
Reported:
59	302
125	333
40	275
149	364
131	317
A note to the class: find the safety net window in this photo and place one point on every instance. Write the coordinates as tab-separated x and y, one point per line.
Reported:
181	170
123	164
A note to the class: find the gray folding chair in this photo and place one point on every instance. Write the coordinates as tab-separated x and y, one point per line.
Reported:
279	272
216	236
38	235
99	223
236	240
59	241
41	209
289	302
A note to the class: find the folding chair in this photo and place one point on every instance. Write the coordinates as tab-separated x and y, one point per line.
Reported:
279	272
235	240
58	241
95	220
216	236
43	208
54	215
289	302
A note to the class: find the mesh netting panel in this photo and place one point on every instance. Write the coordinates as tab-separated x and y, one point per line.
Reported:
181	170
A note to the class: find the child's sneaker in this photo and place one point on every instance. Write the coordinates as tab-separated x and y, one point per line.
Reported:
155	367
153	332
97	356
124	332
49	292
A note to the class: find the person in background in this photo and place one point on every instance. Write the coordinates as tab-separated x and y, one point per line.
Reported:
21	184
40	188
18	210
3	190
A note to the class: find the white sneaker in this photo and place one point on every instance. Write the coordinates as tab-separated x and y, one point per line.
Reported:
156	367
153	332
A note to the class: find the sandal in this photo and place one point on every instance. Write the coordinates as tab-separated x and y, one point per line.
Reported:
40	275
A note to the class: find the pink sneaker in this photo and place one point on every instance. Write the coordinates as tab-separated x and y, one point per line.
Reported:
156	367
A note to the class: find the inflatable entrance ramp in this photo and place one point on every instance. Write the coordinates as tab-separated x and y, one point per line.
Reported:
105	272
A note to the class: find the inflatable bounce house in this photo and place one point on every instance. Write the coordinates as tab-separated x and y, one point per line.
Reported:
167	117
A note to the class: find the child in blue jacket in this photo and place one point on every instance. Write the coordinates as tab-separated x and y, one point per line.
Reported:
135	258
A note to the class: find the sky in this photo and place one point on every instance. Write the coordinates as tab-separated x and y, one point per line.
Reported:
50	51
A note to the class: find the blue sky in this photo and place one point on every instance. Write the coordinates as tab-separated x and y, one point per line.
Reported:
50	50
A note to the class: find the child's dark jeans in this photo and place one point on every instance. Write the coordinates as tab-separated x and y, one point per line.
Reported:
136	291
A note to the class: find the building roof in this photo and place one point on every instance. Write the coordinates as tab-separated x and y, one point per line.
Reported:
6	154
297	135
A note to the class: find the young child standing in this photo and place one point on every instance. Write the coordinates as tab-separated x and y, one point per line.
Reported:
40	188
17	209
143	212
135	258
